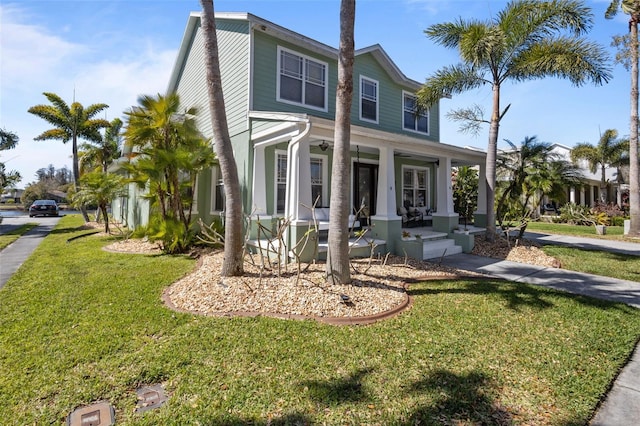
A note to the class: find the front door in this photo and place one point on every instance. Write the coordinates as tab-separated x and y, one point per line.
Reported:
364	189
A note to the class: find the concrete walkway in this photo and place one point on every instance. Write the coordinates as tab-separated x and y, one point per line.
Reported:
622	404
14	255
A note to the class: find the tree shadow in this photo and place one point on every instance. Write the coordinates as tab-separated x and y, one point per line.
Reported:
339	390
461	398
517	295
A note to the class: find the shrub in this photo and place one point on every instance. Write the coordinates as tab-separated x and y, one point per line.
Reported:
618	220
575	214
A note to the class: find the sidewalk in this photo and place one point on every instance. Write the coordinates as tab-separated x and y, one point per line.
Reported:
621	406
14	255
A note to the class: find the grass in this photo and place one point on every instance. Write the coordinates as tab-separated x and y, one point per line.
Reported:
11	236
614	265
613	232
468	351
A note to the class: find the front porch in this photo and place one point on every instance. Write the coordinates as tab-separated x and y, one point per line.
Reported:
422	243
291	179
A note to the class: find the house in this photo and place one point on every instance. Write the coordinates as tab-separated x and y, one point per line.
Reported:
279	88
591	192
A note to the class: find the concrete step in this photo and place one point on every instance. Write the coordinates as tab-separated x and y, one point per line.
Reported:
438	248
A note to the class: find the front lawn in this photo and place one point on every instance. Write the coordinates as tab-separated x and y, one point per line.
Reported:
79	325
613	232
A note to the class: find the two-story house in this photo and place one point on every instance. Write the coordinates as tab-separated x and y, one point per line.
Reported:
279	88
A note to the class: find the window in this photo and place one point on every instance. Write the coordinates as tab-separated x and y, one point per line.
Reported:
302	80
414	186
411	121
318	180
217	190
281	181
368	99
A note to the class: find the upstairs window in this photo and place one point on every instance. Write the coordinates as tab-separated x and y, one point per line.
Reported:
412	121
302	80
368	99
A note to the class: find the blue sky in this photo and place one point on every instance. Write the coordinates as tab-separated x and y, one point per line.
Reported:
113	51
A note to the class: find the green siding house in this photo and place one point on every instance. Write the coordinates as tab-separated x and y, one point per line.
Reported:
279	90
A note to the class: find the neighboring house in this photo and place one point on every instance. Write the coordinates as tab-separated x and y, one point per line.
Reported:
280	89
590	193
12	195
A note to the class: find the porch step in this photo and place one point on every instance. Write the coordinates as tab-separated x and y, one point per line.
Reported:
354	243
432	249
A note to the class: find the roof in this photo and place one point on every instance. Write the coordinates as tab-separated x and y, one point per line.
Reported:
259	24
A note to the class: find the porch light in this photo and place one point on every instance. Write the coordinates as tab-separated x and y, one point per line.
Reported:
324	145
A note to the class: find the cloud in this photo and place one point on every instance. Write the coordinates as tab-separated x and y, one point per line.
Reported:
30	52
35	60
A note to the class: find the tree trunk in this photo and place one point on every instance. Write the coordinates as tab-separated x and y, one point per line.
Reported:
337	266
233	241
490	174
634	183
76	174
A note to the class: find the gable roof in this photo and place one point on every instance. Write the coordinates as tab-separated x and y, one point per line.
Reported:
258	24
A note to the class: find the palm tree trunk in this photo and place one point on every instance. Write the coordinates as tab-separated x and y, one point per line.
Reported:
233	242
490	175
337	267
76	173
634	183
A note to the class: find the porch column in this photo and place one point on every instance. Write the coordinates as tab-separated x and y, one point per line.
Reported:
572	195
259	192
386	197
444	219
480	215
298	181
386	224
583	199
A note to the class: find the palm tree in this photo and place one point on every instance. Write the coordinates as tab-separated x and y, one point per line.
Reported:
526	173
606	154
71	123
100	189
103	153
8	140
337	266
632	8
234	217
525	41
169	153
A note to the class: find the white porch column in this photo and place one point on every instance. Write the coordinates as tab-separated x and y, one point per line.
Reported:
444	200
386	197
298	181
259	182
572	195
583	199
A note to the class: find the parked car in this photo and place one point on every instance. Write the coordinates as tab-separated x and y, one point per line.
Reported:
44	208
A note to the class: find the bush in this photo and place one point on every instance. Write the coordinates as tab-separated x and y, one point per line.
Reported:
618	220
575	214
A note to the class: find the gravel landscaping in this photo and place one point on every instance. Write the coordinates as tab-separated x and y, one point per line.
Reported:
377	287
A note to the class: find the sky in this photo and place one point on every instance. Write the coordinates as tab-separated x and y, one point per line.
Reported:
97	51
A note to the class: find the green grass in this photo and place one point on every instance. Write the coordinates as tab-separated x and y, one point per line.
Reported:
474	351
614	265
9	237
613	232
